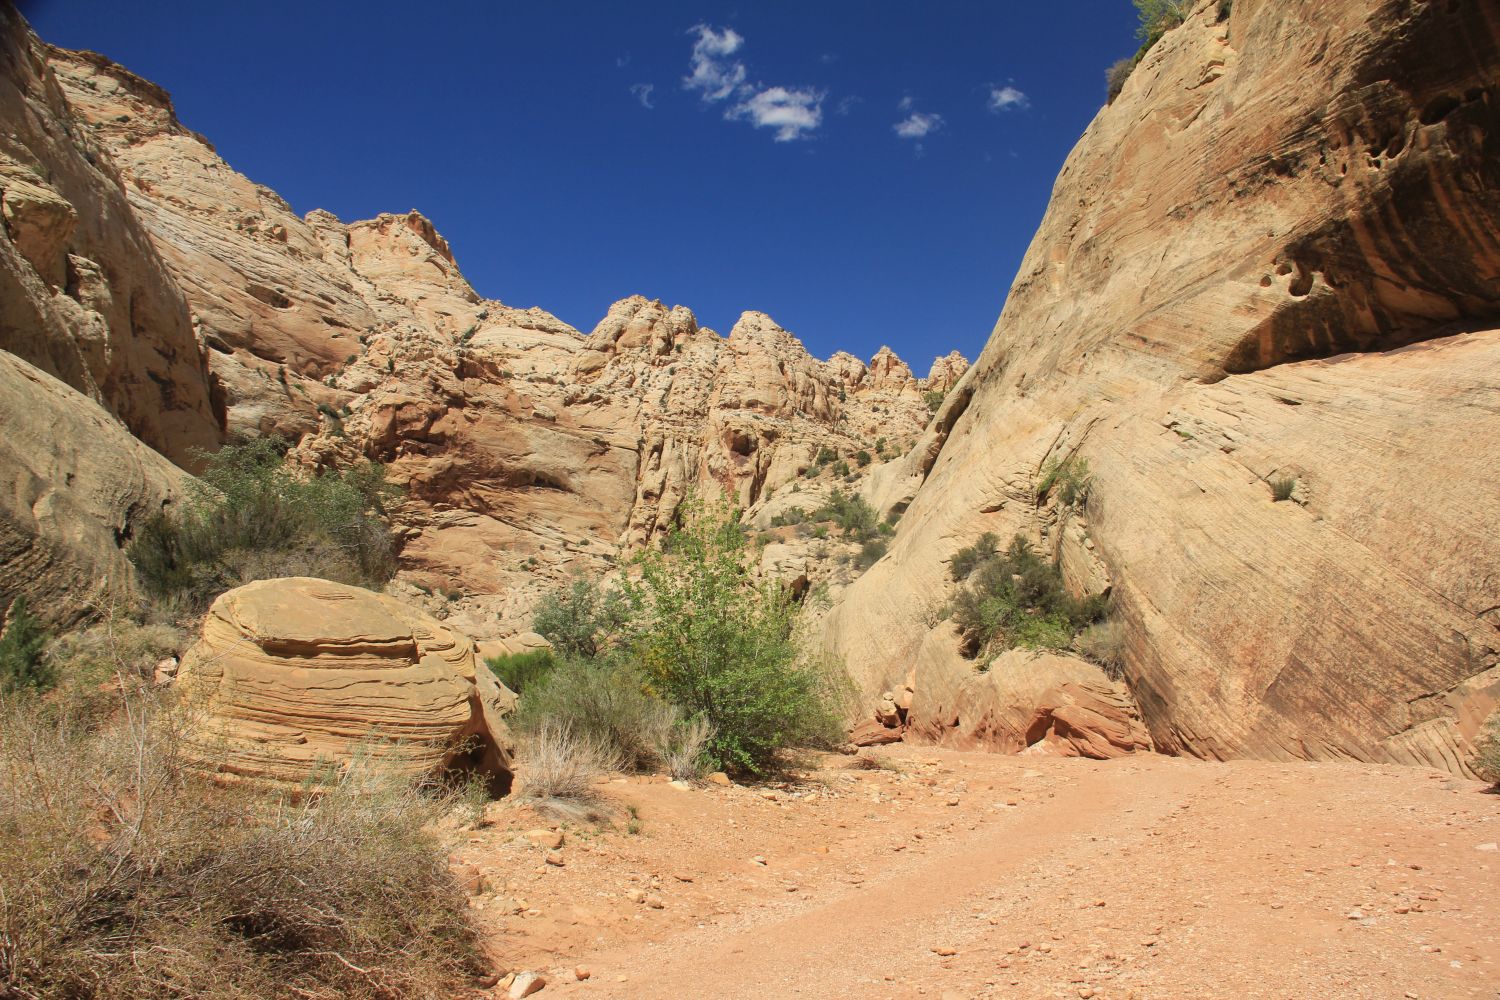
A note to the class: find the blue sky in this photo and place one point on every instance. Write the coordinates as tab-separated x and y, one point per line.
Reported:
867	173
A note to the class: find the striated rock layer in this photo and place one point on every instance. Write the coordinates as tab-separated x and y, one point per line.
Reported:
1274	259
297	674
196	305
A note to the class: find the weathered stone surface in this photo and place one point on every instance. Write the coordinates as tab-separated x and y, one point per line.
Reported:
83	293
1272	257
74	488
296	673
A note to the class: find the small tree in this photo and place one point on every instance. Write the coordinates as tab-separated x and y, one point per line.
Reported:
1158	17
719	645
579	619
21	664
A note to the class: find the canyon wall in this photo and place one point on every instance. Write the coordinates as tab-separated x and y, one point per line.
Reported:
1274	259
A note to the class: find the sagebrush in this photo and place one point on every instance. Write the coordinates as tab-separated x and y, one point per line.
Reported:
1017	598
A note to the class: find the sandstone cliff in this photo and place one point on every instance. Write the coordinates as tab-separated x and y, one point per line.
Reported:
1275	257
197	305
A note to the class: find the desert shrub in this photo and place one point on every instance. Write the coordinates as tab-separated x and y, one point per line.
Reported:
1115	77
841	469
1283	488
93	665
21	663
1103	643
1070	478
1157	17
1487	760
851	512
1017	598
863	458
934	399
251	517
719	646
680	748
560	764
130	875
870	553
791	516
580	618
605	703
970	557
522	672
825	456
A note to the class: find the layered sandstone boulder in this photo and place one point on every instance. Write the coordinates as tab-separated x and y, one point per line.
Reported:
1270	262
295	675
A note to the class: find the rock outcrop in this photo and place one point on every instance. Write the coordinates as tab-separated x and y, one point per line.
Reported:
196	304
1271	263
77	488
83	294
296	674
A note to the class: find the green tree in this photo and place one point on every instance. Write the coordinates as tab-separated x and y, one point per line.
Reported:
580	619
719	645
1157	18
21	664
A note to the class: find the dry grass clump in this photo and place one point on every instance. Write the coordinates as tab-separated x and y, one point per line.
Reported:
560	768
128	875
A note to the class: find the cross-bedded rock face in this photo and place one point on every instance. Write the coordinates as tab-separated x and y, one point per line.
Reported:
295	674
1273	258
529	450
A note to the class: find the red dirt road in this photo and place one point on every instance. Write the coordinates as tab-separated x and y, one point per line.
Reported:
1148	877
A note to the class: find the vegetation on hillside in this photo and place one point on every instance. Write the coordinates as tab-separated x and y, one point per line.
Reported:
1157	17
21	644
250	517
128	874
694	655
1016	598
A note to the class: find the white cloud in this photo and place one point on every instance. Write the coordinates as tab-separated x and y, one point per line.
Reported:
791	112
918	124
1007	98
642	92
715	75
905	104
846	104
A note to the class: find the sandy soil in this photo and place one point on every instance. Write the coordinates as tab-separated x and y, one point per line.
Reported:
1146	877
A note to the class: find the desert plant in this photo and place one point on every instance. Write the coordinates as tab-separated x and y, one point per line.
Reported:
522	672
1157	17
1070	477
825	456
129	875
719	646
1282	488
681	747
851	512
561	765
1017	598
21	645
934	399
970	557
870	553
1115	77
250	517
580	618
791	516
863	458
1487	757
605	703
1103	643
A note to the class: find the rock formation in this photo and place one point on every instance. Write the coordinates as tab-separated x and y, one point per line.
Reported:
529	451
1270	264
295	674
78	487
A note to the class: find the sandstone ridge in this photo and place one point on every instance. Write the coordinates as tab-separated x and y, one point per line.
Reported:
1270	263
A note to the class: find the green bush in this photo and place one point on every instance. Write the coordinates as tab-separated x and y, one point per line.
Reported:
825	455
22	666
1157	17
579	619
522	672
934	399
251	517
851	512
1283	488
870	553
841	469
970	557
1017	598
791	516
719	646
607	706
863	458
1071	479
